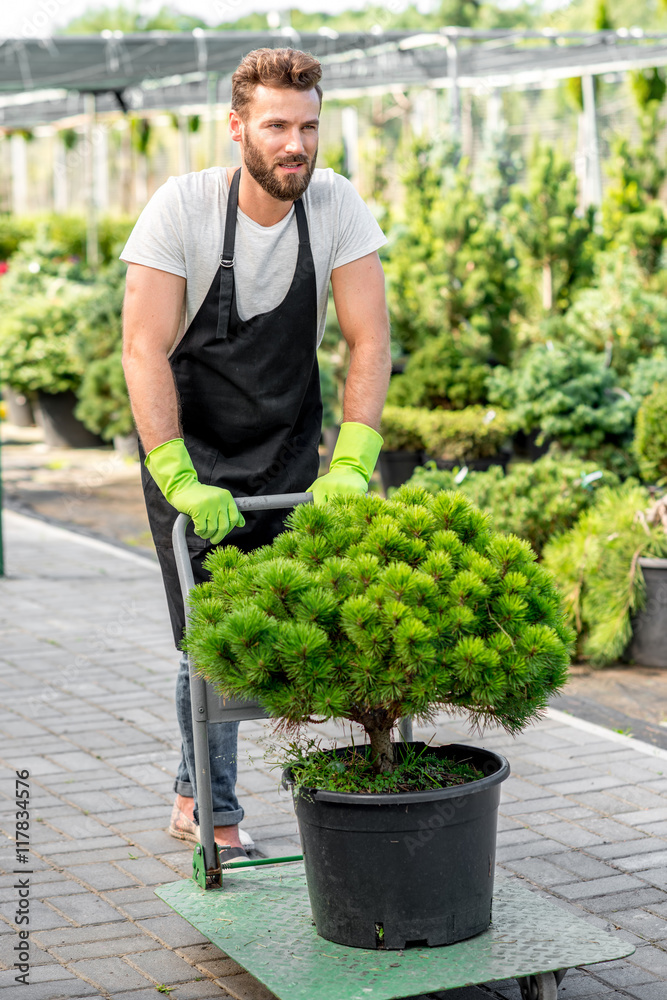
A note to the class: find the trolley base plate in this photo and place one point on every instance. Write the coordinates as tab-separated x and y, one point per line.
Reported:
261	918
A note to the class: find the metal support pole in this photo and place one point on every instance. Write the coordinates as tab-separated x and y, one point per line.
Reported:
212	96
454	91
593	194
183	145
494	121
92	247
59	174
350	130
101	168
19	161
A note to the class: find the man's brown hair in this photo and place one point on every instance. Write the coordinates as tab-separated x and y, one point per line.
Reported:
285	68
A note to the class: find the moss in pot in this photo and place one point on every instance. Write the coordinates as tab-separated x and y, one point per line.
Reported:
370	610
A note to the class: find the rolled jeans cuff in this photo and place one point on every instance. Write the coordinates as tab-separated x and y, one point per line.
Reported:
226	817
184	788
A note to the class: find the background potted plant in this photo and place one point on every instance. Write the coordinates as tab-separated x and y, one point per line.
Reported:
648	645
19	407
60	343
39	358
571	396
534	500
475	436
39	298
368	610
103	406
403	429
448	372
650	442
603	565
103	403
618	317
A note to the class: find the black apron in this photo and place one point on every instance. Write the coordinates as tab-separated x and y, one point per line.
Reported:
251	407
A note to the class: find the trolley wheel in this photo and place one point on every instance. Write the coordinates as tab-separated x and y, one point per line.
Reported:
543	986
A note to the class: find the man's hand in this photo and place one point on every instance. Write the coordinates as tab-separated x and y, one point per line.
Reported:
352	464
212	509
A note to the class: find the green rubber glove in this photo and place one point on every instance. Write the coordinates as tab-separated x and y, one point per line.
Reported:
212	509
352	464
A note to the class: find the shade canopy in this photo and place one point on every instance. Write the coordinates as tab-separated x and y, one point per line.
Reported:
508	59
43	80
114	61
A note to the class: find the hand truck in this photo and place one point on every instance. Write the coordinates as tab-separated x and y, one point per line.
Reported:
262	918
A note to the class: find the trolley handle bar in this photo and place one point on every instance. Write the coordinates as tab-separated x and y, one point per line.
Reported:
279	501
276	502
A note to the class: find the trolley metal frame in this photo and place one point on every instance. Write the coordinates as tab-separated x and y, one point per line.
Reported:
512	949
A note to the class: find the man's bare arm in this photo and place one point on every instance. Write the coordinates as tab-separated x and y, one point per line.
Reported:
361	307
151	318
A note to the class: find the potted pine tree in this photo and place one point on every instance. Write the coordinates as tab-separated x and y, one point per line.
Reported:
369	610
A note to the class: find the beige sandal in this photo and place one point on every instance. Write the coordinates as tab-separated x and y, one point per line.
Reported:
181	827
186	829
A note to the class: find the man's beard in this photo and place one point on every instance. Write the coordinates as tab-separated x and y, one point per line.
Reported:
288	187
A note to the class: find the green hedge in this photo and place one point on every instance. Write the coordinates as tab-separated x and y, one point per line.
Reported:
474	432
650	443
68	232
534	500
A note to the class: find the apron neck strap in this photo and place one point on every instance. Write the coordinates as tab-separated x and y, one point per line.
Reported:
227	255
304	235
227	259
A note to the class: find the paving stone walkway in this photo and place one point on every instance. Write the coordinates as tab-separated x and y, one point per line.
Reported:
87	672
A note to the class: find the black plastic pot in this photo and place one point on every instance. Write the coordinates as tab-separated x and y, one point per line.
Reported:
412	868
127	445
648	646
396	467
19	407
501	458
525	446
61	428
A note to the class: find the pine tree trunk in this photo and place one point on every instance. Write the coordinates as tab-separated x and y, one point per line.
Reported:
382	749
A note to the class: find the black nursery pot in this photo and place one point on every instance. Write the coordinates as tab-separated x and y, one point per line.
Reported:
408	868
501	458
648	646
61	428
396	467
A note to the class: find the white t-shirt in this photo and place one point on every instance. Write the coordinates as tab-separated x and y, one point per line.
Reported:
181	230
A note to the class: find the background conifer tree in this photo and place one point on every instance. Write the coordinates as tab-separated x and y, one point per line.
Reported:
554	243
450	264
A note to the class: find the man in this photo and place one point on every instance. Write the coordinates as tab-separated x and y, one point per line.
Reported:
225	305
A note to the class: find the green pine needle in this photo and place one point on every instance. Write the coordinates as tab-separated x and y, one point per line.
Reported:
369	609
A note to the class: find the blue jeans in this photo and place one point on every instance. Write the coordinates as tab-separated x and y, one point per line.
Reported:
222	750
